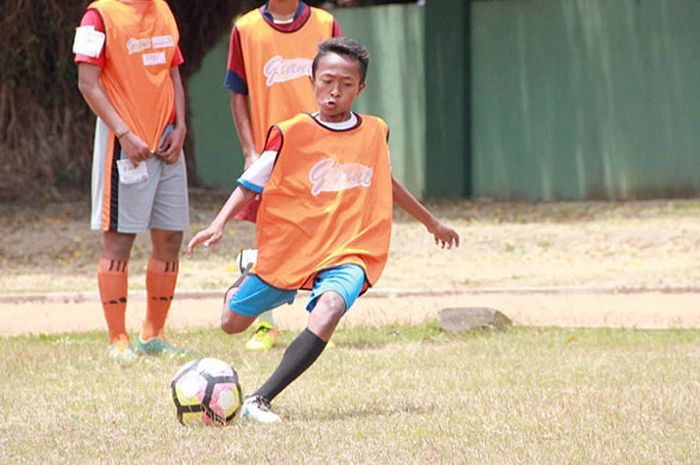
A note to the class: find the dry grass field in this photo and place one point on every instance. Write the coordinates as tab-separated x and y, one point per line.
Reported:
383	396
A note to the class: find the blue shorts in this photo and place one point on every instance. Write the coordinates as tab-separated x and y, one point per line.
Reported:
254	296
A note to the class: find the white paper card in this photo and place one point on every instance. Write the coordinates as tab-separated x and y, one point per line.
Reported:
153	59
88	41
130	174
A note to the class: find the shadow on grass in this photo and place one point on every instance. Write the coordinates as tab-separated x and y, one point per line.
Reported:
372	411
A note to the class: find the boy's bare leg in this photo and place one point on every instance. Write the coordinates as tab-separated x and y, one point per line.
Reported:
324	318
117	245
232	322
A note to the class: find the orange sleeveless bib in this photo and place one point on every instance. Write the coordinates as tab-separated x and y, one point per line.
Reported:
328	202
277	67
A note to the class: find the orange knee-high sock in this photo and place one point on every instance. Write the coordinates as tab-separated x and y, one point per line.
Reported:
113	285
161	278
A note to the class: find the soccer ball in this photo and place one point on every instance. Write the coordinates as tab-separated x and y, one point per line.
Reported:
206	391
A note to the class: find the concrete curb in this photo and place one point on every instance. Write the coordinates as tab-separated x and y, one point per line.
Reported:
76	297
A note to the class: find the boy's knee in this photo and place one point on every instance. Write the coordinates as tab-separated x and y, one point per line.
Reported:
117	245
334	303
166	244
233	323
329	309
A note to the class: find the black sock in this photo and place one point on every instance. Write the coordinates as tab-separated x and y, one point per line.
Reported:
300	355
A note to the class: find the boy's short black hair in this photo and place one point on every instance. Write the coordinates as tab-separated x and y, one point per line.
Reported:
347	48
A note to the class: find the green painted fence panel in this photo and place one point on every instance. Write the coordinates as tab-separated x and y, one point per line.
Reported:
578	99
218	155
448	167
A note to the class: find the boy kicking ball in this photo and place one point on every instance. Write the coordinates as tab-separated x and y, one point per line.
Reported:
324	223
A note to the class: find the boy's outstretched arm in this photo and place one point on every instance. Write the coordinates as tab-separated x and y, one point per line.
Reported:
240	197
444	235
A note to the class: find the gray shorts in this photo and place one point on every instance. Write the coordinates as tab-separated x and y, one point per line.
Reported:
159	203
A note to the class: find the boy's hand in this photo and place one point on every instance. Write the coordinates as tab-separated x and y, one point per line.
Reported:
134	148
444	235
207	236
169	151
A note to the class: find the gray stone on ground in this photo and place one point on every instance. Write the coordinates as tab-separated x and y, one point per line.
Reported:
471	318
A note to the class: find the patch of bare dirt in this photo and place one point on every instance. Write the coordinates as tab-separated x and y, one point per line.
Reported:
627	245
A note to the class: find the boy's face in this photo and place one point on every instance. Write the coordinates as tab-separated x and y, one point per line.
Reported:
336	85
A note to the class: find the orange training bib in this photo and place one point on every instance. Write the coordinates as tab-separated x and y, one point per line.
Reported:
278	66
328	202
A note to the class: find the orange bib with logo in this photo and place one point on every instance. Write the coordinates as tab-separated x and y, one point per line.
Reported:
141	39
278	66
328	202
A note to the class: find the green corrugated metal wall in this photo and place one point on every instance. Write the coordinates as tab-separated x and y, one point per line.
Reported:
581	99
219	159
448	164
